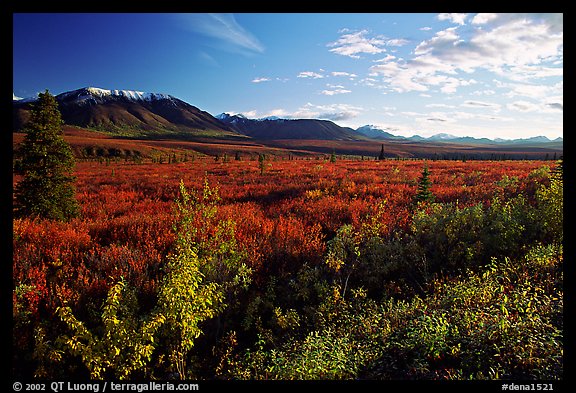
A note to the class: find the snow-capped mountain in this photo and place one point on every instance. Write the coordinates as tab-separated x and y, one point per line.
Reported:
131	112
128	112
97	95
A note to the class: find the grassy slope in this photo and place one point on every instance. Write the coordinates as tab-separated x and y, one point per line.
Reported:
218	144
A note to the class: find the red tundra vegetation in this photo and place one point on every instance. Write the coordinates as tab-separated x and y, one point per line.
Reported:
294	224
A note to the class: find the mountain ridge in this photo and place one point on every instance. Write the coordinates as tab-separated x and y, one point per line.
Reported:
158	114
128	112
273	128
381	134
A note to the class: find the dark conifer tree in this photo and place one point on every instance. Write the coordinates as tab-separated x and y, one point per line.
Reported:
381	156
47	189
424	193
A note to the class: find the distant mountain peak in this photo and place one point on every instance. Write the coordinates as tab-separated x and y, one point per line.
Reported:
379	133
376	132
273	127
17	99
443	136
89	94
130	112
227	115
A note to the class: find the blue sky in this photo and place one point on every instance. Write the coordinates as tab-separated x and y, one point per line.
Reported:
481	75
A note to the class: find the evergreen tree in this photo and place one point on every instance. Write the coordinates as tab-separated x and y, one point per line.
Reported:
261	163
333	157
47	189
381	156
424	194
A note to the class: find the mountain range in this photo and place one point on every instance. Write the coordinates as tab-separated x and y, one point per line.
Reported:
375	132
134	113
128	112
277	128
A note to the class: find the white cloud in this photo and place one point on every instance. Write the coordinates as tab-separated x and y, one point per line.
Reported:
532	90
353	44
385	59
527	90
278	113
447	84
442	39
482	18
526	72
397	42
310	74
455	18
516	48
335	91
554	21
333	112
250	114
420	76
342	73
486	92
371	82
225	29
425	28
439	106
260	80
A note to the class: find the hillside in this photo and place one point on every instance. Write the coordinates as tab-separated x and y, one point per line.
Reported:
275	129
129	113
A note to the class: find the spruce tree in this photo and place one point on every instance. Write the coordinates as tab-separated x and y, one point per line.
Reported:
382	156
261	163
47	189
424	194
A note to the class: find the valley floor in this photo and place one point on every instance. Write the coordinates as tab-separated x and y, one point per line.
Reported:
302	269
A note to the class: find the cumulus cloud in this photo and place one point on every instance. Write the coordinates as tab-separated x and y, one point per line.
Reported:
442	40
397	42
332	112
554	21
517	47
456	18
483	18
534	91
353	44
